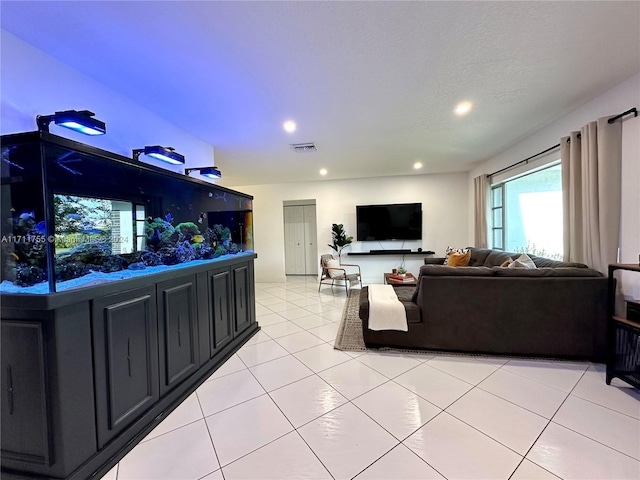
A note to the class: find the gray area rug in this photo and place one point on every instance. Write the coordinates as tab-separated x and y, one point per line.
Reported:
349	337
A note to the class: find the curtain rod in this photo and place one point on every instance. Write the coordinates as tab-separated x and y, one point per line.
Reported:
633	110
526	160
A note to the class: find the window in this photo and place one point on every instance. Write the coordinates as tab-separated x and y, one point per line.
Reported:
527	213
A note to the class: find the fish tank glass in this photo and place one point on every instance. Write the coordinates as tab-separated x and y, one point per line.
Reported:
75	216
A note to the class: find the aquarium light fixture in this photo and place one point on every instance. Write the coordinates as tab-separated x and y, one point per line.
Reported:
166	154
209	172
81	121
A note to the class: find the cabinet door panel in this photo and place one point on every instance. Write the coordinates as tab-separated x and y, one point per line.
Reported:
126	359
241	298
177	332
25	428
221	331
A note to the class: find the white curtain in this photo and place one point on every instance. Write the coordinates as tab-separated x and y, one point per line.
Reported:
481	193
591	170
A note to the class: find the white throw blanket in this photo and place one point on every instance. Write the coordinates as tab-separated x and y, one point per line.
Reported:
386	312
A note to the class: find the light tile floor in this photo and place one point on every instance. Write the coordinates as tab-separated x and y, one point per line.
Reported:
289	406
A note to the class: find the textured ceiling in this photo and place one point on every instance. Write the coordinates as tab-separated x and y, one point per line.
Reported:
374	84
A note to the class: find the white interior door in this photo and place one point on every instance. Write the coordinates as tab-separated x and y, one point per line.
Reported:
300	233
294	252
310	237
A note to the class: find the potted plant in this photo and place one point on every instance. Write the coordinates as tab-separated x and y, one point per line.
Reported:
402	271
340	239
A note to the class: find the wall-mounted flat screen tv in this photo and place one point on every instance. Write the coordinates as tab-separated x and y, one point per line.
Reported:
398	221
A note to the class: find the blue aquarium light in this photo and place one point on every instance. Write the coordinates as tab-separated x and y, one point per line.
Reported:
81	121
209	172
166	154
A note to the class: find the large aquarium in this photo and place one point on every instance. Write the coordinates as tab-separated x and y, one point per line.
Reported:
75	216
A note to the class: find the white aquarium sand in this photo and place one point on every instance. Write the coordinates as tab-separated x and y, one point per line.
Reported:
98	278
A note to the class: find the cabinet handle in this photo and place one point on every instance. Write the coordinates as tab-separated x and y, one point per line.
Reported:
129	355
220	305
179	336
10	389
241	298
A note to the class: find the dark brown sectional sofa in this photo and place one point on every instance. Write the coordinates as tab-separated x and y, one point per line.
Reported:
558	309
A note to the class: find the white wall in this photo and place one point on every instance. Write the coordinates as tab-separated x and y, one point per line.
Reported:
617	100
36	83
444	205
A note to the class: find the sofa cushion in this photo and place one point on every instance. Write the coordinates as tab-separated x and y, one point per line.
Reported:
459	259
497	257
440	270
492	258
546	272
478	256
542	262
451	250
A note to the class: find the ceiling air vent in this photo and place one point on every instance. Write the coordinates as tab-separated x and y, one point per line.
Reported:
304	147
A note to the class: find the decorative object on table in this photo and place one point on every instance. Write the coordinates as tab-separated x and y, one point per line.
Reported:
401	271
340	239
404	278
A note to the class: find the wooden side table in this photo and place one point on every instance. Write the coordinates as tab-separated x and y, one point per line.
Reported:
390	281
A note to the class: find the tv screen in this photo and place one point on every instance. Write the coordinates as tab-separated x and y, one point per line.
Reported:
399	221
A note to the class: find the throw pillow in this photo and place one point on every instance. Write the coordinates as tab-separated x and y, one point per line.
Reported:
506	263
331	264
453	250
459	259
523	261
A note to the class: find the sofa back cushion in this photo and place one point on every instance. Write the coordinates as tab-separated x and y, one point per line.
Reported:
497	258
546	272
494	258
442	270
478	256
542	262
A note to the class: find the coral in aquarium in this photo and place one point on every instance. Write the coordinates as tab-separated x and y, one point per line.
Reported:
188	229
27	275
158	231
25	263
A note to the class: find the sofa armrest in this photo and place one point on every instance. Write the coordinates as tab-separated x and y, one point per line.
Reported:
434	260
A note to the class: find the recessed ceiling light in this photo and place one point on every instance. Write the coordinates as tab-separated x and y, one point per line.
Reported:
289	126
417	165
323	171
463	108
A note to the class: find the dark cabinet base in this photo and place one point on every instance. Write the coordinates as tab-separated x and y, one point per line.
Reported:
106	459
85	378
